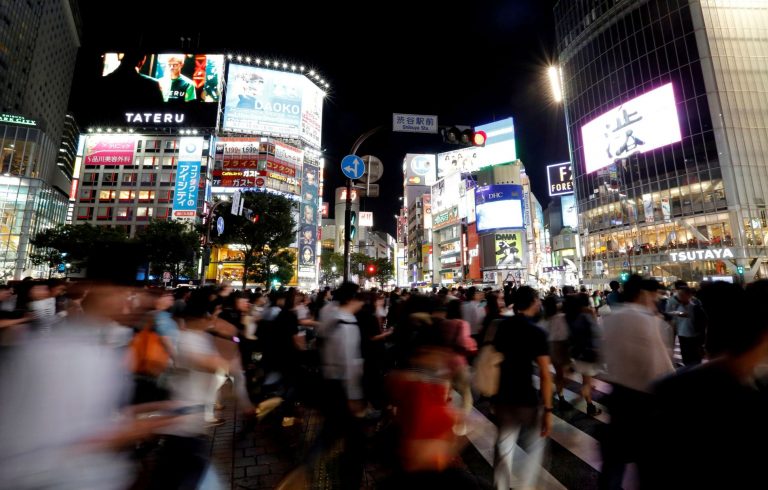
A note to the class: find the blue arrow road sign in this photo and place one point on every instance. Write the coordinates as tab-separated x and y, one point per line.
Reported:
353	166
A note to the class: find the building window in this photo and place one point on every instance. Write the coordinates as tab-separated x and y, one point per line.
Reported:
90	178
146	196
84	212
143	214
130	178
127	196
107	196
152	146
171	145
164	196
166	179
87	195
151	161
109	179
124	214
148	178
162	213
104	213
169	162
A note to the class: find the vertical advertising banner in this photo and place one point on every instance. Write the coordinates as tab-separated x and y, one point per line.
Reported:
648	208
308	219
312	113
187	178
508	247
110	149
665	209
426	208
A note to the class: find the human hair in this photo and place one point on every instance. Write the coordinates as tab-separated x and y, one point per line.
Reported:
614	285
549	305
524	298
346	293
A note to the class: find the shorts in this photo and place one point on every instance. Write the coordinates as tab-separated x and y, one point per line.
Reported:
586	368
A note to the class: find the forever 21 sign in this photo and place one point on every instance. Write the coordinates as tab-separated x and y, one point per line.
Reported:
560	178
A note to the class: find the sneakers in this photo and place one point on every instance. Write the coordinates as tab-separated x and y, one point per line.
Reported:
592	410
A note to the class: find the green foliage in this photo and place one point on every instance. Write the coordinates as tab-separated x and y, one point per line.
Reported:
169	246
263	240
73	243
327	262
385	270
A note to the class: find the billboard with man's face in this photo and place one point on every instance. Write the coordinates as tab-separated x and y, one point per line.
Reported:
272	102
165	90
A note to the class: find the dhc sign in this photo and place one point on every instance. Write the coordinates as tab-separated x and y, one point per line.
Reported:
690	256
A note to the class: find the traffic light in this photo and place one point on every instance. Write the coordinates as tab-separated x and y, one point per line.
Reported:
740	269
624	276
250	215
352	225
371	269
464	135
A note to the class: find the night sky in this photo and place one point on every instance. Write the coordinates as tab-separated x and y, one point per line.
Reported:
469	63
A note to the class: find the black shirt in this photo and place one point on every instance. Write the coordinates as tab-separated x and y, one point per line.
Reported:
521	342
710	430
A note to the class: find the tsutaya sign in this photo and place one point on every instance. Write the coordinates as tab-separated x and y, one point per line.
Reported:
709	254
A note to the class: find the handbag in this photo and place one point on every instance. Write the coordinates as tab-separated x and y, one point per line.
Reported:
148	353
487	368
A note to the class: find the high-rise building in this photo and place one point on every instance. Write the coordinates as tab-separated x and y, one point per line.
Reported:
667	115
68	149
38	47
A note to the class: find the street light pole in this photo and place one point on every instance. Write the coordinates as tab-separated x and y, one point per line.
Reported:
348	208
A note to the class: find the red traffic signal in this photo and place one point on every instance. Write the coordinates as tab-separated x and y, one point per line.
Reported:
371	269
478	138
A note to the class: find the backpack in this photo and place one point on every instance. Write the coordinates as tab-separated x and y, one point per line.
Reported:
487	367
148	353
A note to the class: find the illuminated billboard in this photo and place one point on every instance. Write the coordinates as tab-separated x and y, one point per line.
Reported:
187	178
508	249
500	143
109	149
570	212
159	89
464	160
560	179
420	169
499	206
271	102
639	125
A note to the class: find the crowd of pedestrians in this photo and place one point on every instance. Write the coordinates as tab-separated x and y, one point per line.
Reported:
94	377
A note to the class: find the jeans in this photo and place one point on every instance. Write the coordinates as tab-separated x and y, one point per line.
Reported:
518	425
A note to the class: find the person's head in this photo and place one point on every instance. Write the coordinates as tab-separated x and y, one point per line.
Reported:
311	177
161	299
309	214
181	293
568	290
527	301
132	60
492	308
549	306
614	285
684	295
347	297
175	64
680	285
574	305
641	291
307	255
198	307
727	306
5	292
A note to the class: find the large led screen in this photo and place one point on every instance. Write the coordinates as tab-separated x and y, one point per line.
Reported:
159	89
639	125
499	206
271	102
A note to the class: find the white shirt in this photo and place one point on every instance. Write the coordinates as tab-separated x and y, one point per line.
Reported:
633	349
473	313
340	352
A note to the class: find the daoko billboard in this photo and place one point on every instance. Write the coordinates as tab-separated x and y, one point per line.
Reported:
639	125
264	101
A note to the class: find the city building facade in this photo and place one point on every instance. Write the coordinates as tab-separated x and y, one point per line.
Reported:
40	41
666	111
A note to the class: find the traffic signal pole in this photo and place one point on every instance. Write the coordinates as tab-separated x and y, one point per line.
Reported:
348	207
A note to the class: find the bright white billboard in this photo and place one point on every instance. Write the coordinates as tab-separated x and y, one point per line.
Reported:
263	101
639	125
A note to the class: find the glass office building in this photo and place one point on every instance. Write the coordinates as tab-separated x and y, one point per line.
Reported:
666	104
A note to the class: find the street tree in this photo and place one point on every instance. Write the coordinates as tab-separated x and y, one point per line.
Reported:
169	246
73	243
384	270
329	261
264	234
